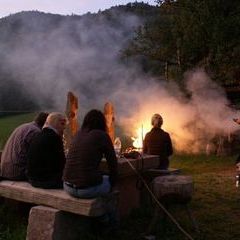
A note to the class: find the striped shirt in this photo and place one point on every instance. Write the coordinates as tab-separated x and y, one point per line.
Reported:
13	159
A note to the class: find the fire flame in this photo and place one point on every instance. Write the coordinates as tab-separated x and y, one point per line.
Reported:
140	135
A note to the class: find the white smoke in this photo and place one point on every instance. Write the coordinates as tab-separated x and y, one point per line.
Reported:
191	121
81	55
51	63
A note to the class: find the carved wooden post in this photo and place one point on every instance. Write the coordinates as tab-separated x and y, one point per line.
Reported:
110	119
71	112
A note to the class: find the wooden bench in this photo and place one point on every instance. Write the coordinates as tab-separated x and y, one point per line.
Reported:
51	214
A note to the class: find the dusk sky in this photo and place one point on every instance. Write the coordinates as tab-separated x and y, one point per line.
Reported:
65	7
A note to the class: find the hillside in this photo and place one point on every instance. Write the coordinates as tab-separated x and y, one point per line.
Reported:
42	55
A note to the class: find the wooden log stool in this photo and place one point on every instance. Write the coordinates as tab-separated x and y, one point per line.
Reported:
149	175
169	190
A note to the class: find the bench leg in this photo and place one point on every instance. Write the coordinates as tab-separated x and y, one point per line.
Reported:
47	223
41	223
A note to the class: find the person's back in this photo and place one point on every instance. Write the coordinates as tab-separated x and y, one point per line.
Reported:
84	156
158	142
46	156
82	176
13	159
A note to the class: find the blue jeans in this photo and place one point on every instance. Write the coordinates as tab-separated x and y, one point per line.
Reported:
90	192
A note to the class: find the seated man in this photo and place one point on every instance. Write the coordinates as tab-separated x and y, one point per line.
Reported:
14	155
158	142
46	158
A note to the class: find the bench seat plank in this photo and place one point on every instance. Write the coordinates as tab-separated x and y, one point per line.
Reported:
56	198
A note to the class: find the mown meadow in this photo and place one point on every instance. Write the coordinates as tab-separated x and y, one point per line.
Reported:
215	203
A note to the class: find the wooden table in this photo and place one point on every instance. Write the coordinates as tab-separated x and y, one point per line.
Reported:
129	194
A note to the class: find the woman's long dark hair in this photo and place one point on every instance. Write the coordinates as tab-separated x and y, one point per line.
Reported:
94	119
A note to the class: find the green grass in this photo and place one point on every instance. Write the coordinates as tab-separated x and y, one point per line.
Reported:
9	123
215	203
12	225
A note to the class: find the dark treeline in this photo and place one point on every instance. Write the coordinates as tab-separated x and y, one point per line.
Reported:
191	33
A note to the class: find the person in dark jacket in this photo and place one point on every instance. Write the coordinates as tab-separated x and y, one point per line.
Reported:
14	155
82	176
158	142
46	156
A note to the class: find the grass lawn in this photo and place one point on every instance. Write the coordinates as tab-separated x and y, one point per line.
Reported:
215	203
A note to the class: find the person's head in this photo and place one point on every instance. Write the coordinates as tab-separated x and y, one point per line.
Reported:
157	120
40	119
94	119
57	121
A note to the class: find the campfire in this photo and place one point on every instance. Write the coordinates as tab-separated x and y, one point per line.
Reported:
138	139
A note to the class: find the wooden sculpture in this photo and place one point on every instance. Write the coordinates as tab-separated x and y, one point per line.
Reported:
110	119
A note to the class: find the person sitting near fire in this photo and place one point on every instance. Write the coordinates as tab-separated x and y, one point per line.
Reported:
82	176
158	142
14	155
46	156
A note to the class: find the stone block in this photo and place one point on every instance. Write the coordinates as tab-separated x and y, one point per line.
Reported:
47	223
41	223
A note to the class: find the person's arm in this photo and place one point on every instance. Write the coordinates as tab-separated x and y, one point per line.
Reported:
145	148
111	160
169	148
28	141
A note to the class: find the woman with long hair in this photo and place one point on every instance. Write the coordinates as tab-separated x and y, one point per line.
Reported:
82	176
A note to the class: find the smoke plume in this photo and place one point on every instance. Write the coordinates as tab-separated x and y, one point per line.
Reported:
83	57
191	121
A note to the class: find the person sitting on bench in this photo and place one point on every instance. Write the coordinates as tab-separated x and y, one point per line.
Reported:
46	156
82	176
14	155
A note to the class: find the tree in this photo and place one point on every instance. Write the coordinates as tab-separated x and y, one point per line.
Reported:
190	33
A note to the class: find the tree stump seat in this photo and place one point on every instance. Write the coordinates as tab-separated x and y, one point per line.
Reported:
169	190
173	188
